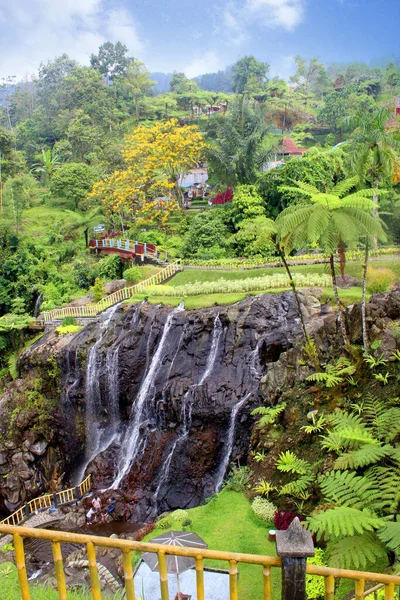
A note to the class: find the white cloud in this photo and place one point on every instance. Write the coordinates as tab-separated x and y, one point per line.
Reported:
286	14
43	29
271	14
233	22
206	63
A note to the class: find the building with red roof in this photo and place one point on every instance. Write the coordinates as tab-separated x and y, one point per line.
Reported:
289	148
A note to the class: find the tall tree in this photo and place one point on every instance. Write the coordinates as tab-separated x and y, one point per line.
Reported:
334	220
111	59
248	68
138	83
306	75
239	152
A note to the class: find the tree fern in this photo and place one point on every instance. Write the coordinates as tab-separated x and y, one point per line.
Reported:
356	552
390	534
368	454
346	488
343	521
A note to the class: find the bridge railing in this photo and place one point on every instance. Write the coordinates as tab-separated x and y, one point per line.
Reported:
47	500
138	248
91	310
266	563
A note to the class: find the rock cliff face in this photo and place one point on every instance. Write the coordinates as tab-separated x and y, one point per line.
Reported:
156	401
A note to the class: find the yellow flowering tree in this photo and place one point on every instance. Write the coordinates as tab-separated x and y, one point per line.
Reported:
155	156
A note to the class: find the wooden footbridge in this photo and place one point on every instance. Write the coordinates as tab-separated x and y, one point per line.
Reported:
127	249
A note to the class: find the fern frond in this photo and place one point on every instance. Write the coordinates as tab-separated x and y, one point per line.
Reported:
343	521
387	479
298	488
346	488
356	552
368	454
341	188
354	436
269	413
288	462
390	534
328	379
388	424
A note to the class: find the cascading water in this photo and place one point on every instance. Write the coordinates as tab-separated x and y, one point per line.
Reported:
187	403
132	443
98	436
254	372
229	443
38	302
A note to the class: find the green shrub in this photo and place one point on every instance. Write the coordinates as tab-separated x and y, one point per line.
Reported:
315	585
110	267
65	329
133	275
263	509
98	290
249	284
186	522
68	321
180	515
164	523
380	280
239	479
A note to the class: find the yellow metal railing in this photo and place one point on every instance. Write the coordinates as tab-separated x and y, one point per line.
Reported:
46	501
91	310
127	546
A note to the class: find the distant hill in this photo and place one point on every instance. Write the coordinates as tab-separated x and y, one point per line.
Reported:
162	81
221	81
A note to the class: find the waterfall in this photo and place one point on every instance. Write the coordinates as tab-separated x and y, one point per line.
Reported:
98	437
187	403
131	443
254	373
37	305
229	443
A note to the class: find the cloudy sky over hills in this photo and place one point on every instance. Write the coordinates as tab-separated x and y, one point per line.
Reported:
197	36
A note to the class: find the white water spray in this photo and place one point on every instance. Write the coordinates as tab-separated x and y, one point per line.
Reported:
131	442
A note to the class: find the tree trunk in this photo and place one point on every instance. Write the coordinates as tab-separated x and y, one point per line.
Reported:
293	286
364	291
376	208
342	325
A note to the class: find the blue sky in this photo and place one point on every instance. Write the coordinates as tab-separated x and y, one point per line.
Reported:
198	36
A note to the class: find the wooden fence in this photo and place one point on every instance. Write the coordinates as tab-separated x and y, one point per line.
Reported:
47	500
91	310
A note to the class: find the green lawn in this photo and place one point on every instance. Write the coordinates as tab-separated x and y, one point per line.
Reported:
9	587
228	523
353	268
348	297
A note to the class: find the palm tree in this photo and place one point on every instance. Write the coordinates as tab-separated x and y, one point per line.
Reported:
81	222
238	153
330	219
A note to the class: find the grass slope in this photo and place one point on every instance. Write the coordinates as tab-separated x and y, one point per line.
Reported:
228	523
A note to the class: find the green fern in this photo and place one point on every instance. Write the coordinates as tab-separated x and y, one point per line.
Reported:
390	534
346	488
288	462
334	374
356	552
269	414
328	379
264	487
343	521
300	488
368	454
374	362
316	426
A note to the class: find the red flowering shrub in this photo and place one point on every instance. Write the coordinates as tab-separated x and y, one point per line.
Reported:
223	197
282	519
143	531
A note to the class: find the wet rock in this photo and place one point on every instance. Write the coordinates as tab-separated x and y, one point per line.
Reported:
39	448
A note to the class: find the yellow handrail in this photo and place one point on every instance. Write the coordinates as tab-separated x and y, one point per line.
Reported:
199	554
92	310
46	501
